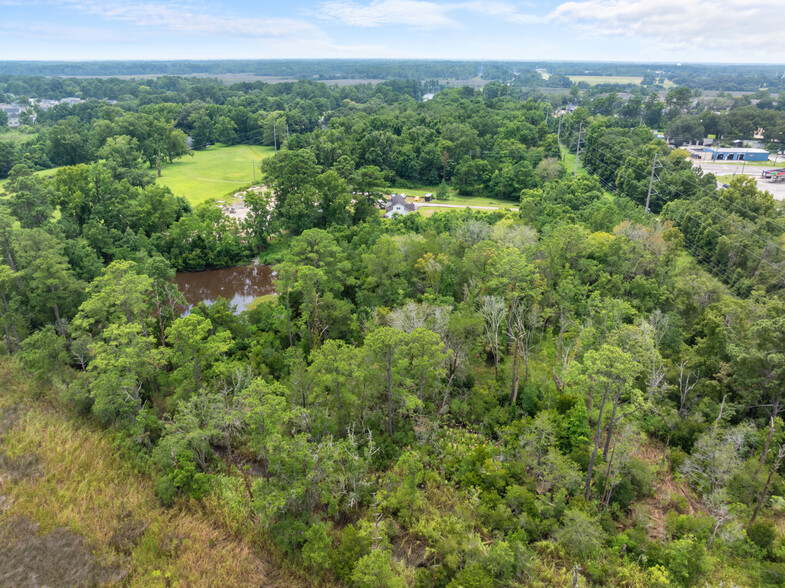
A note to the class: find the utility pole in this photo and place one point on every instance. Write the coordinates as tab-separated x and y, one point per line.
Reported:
578	149
558	137
651	183
253	169
275	138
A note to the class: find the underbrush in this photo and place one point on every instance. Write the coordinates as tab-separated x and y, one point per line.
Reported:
86	487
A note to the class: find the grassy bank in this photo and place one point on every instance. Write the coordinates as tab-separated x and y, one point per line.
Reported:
80	482
214	172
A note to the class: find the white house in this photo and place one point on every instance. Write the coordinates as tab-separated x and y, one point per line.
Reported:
398	205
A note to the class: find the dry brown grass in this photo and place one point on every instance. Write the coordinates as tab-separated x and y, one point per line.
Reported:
88	489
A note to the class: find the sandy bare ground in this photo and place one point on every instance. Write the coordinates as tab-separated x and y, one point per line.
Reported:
235	207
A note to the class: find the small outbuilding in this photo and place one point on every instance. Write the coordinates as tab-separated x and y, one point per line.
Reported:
428	197
398	205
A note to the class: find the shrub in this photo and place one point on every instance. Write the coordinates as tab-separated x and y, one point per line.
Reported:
354	546
317	547
581	536
623	494
501	561
289	533
681	525
762	533
375	571
772	574
641	476
677	459
185	479
686	560
472	576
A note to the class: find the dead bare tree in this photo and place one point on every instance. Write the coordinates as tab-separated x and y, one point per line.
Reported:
566	349
718	507
494	311
764	493
524	325
774	409
685	387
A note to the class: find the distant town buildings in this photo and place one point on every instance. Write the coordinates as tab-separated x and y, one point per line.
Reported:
14	110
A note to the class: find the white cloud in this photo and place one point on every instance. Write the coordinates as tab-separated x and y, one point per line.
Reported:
186	17
420	14
709	27
414	13
60	32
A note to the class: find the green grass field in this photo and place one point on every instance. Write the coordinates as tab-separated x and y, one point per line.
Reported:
16	137
594	80
213	172
568	159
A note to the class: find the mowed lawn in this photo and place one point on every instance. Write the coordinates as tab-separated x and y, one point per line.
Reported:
214	172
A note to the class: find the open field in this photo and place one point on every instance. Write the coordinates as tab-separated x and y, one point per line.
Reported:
594	80
16	137
213	172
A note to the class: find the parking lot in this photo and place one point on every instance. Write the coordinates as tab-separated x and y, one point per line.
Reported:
777	189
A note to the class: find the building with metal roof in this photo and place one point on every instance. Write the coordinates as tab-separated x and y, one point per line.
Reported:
735	154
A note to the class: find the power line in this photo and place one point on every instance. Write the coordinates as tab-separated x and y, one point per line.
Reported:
700	254
651	183
700	188
677	191
712	229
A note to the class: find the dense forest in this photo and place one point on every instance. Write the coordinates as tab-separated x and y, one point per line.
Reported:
577	392
728	77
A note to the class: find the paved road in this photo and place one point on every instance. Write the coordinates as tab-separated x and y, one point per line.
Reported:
432	204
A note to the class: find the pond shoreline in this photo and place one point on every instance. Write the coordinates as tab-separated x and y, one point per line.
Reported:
240	285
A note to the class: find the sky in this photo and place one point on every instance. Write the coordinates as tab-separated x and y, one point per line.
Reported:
731	31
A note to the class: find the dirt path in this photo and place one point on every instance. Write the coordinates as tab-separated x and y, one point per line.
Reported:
419	205
668	494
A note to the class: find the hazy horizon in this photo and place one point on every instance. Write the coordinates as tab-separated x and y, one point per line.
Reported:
586	30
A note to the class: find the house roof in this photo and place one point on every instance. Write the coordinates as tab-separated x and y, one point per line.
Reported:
397	200
735	150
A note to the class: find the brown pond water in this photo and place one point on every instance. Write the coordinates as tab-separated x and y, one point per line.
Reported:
239	285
